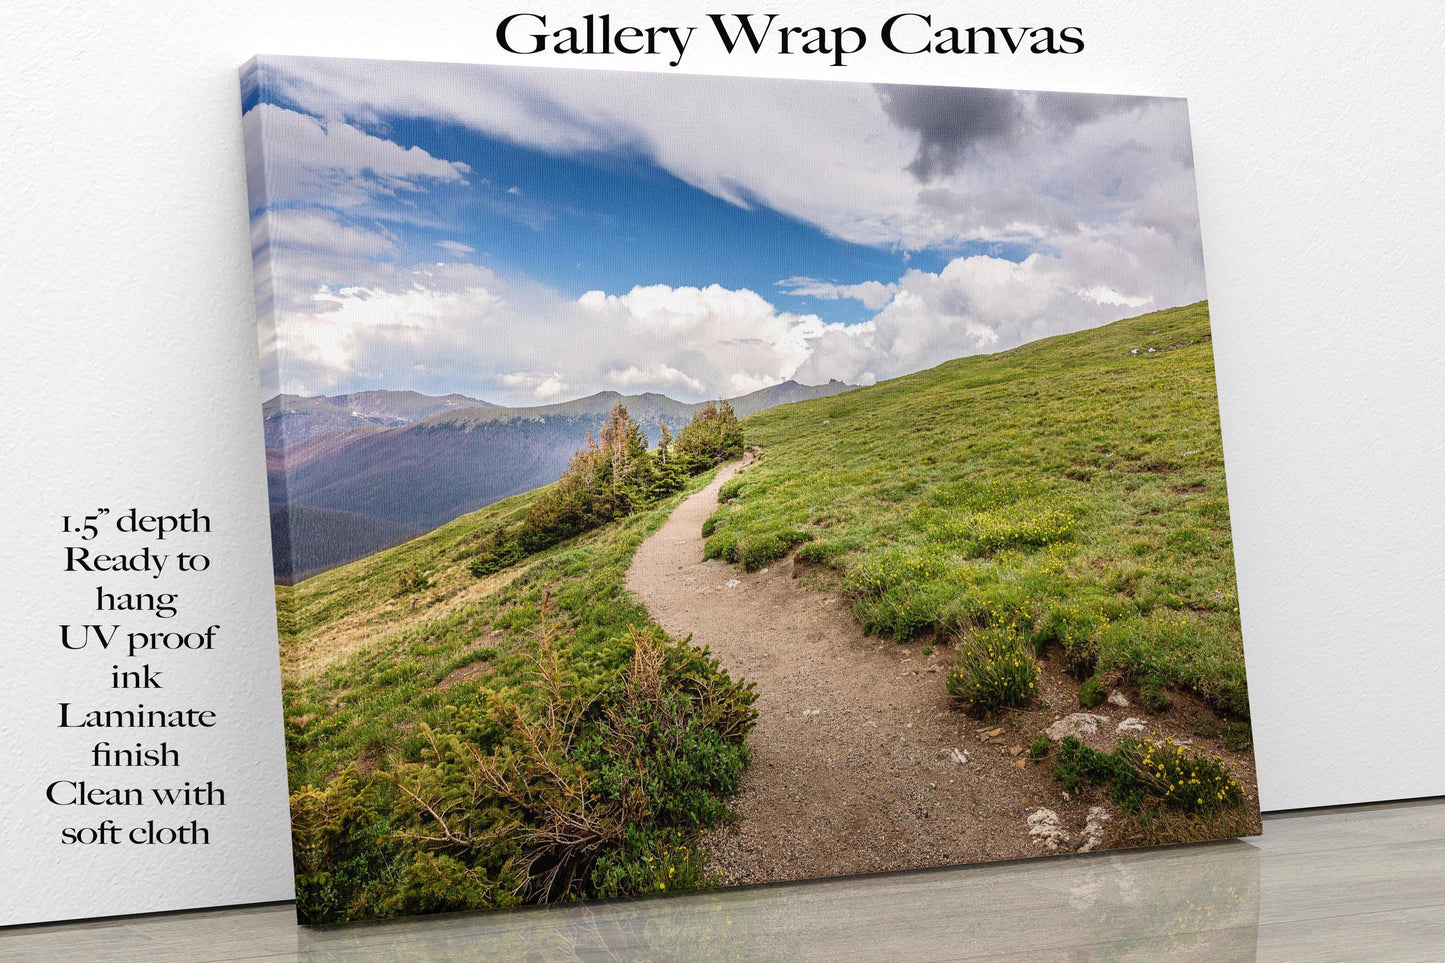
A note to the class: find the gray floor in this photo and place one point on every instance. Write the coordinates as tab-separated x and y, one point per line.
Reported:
1362	883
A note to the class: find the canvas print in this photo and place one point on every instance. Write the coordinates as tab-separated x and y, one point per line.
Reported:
681	482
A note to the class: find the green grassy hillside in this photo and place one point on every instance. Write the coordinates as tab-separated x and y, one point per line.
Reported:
374	649
348	466
459	741
1072	489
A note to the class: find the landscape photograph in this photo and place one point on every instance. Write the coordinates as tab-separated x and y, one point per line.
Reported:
680	482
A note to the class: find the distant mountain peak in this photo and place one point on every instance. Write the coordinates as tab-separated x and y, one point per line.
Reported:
418	474
291	419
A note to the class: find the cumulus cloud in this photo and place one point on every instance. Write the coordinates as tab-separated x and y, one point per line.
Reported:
460	327
318	187
985	304
1103	294
542	385
728	341
865	164
633	378
1101	191
953	122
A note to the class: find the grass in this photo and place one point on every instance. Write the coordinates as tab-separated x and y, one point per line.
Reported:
1071	489
1066	495
994	670
461	743
364	669
529	736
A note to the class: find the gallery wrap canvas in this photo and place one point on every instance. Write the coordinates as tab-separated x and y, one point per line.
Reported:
681	482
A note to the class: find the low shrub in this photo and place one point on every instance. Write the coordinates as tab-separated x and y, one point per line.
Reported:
1179	775
711	438
1154	694
576	784
1074	626
1092	693
903	612
994	670
499	549
412	579
1079	766
1039	748
755	550
758	550
730	490
651	862
829	550
1150	771
721	544
1238	737
438	883
341	842
661	748
613	477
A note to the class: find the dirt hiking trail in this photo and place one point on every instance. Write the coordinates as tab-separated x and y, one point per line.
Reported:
854	768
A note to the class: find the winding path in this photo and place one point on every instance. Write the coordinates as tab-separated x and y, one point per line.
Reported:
853	764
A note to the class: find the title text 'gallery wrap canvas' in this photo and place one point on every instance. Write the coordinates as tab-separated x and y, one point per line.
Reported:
689	481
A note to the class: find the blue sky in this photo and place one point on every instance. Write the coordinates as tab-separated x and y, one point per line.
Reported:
528	235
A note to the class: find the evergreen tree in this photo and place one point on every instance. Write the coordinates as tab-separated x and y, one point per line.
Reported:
711	438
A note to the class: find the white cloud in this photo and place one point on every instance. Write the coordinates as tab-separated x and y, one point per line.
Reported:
331	162
985	304
633	378
1103	294
545	386
460	327
721	338
313	230
1103	194
829	154
872	294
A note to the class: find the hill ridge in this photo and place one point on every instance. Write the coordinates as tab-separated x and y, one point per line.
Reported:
419	474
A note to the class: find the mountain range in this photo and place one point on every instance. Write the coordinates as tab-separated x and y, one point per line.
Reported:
352	474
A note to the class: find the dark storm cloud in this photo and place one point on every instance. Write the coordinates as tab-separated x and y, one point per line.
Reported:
1064	113
951	120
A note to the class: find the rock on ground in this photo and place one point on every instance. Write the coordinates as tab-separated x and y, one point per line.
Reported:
1048	830
1094	829
1077	724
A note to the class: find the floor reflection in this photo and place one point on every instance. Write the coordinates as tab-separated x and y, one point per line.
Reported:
1356	883
1199	902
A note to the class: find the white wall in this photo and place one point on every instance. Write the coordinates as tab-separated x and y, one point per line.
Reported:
131	369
